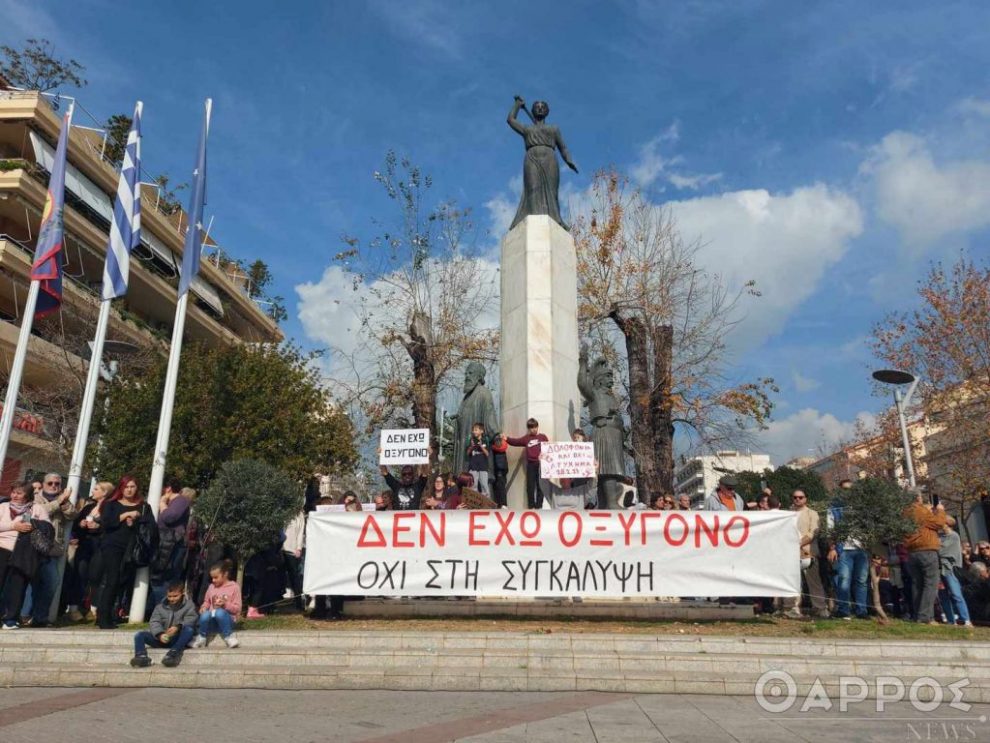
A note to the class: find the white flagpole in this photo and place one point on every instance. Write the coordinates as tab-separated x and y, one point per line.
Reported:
95	363
20	354
88	401
139	598
17	371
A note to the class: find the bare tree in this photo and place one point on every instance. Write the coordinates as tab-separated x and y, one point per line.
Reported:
421	301
638	277
58	402
946	342
37	68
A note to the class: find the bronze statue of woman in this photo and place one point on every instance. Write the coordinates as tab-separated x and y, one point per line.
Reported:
541	175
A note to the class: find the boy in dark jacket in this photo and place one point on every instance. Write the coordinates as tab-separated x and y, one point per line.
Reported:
500	463
172	626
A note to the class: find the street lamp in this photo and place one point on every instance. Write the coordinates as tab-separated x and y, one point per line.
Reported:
897	378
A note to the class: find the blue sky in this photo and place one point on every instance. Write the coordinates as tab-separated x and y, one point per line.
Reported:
827	150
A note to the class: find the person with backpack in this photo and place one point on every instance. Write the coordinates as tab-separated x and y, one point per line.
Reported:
130	541
19	557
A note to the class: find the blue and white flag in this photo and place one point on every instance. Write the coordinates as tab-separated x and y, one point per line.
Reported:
193	246
125	231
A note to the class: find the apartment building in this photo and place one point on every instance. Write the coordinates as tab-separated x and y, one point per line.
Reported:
220	311
698	476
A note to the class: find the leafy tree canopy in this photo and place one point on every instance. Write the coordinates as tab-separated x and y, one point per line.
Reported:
35	67
118	127
248	504
783	481
234	402
872	512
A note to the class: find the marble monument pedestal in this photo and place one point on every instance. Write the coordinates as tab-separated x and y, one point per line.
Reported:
538	360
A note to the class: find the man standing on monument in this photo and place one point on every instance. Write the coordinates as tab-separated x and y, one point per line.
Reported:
476	407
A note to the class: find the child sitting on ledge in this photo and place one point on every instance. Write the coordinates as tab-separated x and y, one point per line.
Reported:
220	609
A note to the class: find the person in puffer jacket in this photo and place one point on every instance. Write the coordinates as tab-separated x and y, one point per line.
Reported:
172	626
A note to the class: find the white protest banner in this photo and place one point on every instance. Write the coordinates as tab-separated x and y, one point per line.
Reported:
505	553
567	459
405	446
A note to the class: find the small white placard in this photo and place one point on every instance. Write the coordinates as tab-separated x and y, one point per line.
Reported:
567	459
405	446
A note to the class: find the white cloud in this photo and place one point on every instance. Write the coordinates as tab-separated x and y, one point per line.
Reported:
502	207
785	242
651	163
428	22
803	383
652	166
974	106
693	182
808	432
922	199
330	312
25	19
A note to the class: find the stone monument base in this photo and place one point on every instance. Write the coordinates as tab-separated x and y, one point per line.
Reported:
539	352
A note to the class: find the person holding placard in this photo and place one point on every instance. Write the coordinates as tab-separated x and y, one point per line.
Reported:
408	488
574	493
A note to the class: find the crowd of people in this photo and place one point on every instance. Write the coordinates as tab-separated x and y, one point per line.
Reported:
85	552
929	577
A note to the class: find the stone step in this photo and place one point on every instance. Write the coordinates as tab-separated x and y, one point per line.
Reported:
686	611
249	654
638	644
415	678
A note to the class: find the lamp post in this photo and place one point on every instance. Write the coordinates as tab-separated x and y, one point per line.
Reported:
898	378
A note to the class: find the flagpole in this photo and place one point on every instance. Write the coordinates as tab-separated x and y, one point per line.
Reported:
96	357
20	354
139	598
88	401
17	371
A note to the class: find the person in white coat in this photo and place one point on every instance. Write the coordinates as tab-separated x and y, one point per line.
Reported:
293	549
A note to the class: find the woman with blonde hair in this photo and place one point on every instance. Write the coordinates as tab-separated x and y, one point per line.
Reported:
84	555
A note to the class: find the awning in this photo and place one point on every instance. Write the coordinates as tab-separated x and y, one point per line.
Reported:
208	294
81	187
159	249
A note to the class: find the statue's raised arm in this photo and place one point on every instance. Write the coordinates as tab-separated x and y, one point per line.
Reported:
541	174
513	119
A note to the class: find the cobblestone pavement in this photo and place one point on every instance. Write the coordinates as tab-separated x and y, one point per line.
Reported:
146	715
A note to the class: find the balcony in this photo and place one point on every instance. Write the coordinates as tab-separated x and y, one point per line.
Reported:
29	126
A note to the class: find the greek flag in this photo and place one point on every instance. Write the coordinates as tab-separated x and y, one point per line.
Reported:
125	231
47	266
194	234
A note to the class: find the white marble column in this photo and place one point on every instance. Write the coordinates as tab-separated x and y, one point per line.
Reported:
539	353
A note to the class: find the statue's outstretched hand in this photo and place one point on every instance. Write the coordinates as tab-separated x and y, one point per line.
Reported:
572	166
519	100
